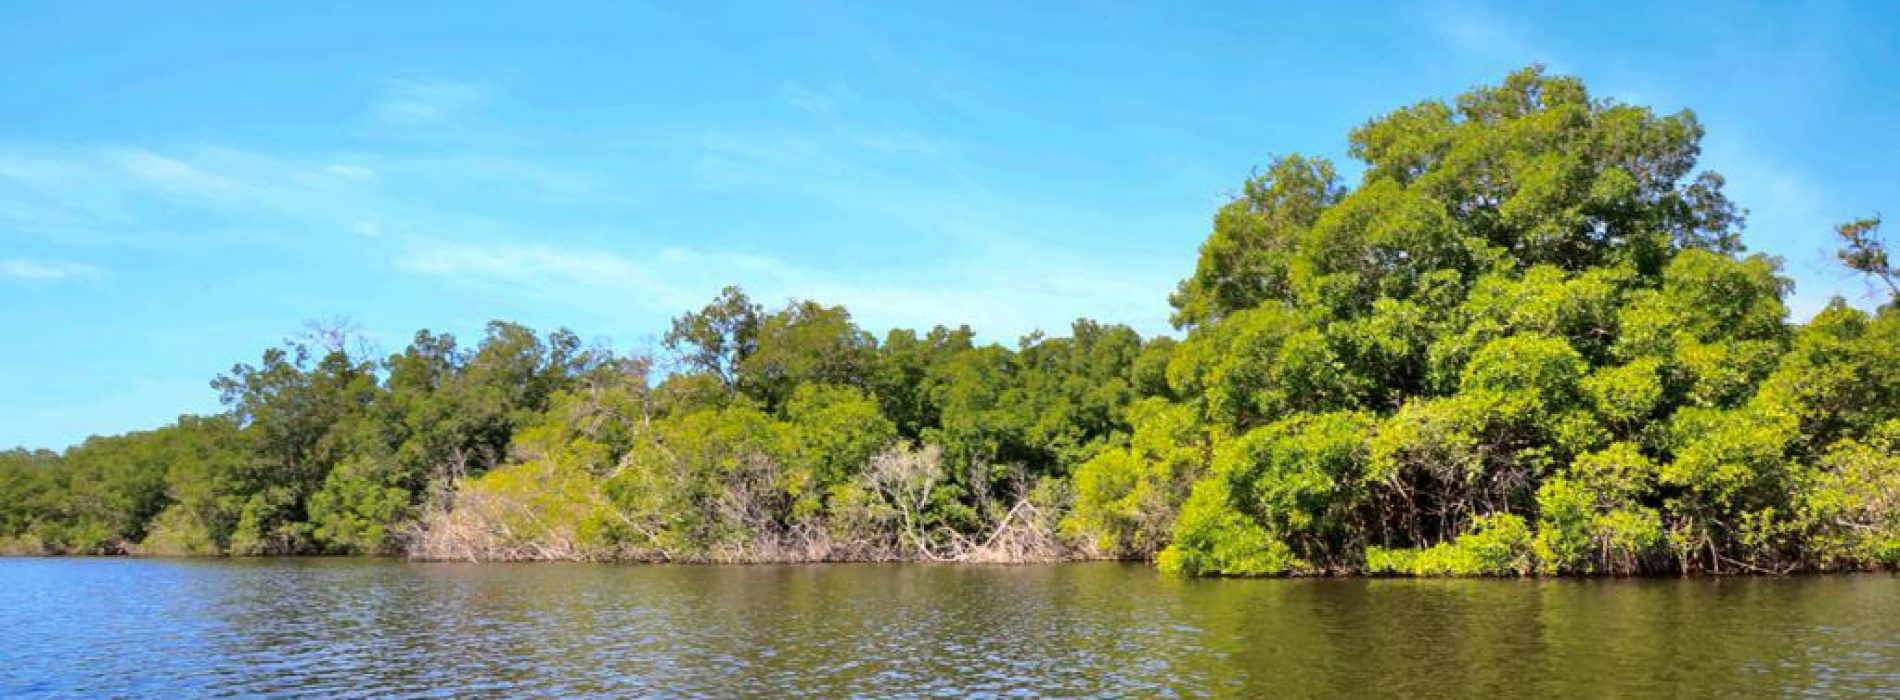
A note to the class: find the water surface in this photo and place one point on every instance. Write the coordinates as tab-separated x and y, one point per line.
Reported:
356	627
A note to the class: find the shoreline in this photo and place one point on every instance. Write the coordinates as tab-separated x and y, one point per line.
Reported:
1145	564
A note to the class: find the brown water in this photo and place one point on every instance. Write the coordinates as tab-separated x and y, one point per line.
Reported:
353	627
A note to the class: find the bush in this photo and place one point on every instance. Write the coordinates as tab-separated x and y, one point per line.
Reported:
1494	545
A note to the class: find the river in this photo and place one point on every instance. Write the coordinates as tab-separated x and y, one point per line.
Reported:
380	628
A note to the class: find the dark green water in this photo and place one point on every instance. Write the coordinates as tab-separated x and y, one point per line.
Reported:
161	628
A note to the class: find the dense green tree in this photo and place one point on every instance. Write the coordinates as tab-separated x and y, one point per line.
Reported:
1864	252
298	411
1282	497
805	343
28	496
1126	499
717	338
1571	364
836	430
906	377
1245	261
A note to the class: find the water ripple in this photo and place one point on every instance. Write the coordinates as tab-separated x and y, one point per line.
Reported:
372	628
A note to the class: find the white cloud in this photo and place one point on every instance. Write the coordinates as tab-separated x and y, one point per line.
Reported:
1002	294
350	172
29	270
821	102
897	142
171	173
427	102
38	170
566	275
436	217
1479	34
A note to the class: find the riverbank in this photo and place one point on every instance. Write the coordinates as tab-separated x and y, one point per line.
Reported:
786	558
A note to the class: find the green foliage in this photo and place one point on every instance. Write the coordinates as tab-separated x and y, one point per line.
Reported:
1126	498
836	430
1563	360
1232	365
357	507
1214	537
28	495
1728	459
908	375
806	343
1590	520
1495	545
1544	300
267	524
550	505
719	337
1866	253
1851	507
110	488
1293	484
177	531
1535	375
1244	262
708	480
1841	378
1626	396
1527	339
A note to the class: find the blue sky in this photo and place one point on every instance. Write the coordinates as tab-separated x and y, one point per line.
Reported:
184	185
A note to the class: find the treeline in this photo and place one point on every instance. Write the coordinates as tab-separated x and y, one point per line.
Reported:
1527	341
787	434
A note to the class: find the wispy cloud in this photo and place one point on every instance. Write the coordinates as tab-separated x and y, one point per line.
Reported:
821	102
807	100
1002	294
412	102
31	270
547	236
30	169
545	272
350	172
170	173
1480	34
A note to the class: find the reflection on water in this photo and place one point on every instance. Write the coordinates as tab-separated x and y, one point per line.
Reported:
330	628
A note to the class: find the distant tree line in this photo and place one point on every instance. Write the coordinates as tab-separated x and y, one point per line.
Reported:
1529	340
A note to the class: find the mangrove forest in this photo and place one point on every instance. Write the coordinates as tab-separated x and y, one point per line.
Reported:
1529	339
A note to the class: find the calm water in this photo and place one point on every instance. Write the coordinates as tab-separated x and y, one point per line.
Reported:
95	627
